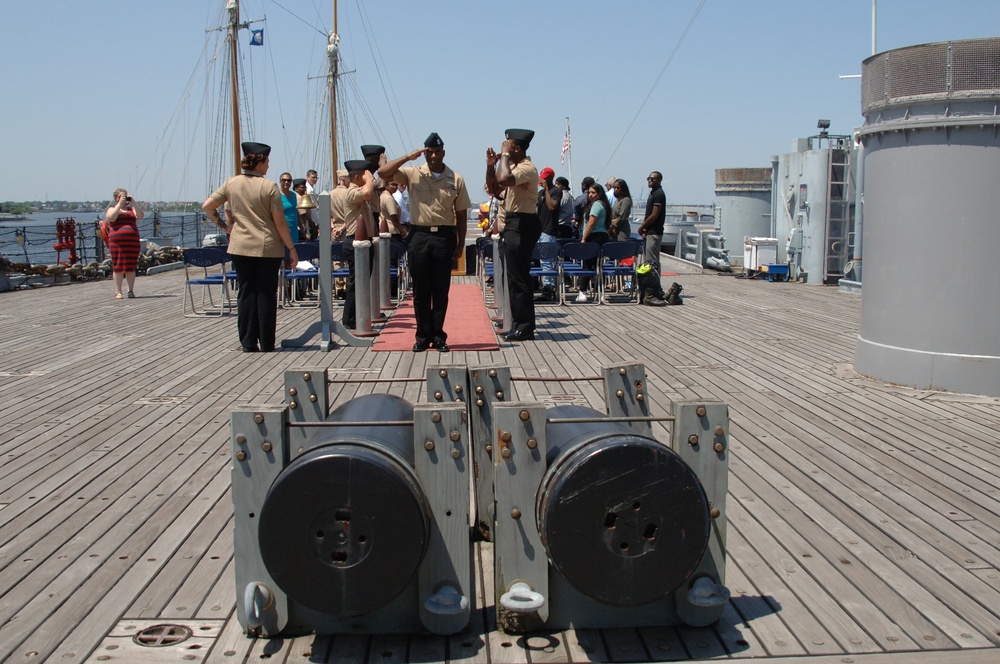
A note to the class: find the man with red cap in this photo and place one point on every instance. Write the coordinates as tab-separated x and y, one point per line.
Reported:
549	198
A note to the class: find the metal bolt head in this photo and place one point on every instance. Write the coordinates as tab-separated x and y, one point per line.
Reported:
619	393
701	411
515	513
479	402
640	397
455	454
307	376
718	447
479	389
241	439
435	417
505	453
505	436
428	445
532	443
489	449
241	456
455	436
443	373
719	431
458	389
693	439
524	415
293	405
292	391
715	512
258	418
312	398
622	371
500	395
492	373
266	446
438	395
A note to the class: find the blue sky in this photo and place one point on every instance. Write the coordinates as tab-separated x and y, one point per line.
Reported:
113	93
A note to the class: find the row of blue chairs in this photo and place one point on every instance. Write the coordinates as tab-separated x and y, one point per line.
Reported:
577	261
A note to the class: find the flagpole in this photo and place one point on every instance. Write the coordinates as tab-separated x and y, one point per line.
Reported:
569	155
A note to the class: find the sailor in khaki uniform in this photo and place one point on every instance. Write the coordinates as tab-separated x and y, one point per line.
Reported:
352	219
512	177
439	206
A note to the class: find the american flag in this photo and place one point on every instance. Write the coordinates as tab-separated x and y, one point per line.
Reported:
565	148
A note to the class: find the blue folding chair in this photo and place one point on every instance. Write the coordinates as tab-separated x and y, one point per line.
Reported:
295	279
546	252
576	256
205	258
612	268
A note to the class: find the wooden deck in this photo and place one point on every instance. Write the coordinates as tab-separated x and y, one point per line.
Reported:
864	518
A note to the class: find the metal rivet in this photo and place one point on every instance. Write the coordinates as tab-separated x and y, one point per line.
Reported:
292	391
479	389
443	373
701	411
693	439
492	373
489	449
640	397
532	443
505	453
300	450
524	415
241	439
258	418
719	431
715	512
435	417
428	445
505	436
266	446
293	405
241	455
515	513
307	376
455	436
500	396
438	396
718	447
619	393
312	398
455	454
458	389
479	402
622	371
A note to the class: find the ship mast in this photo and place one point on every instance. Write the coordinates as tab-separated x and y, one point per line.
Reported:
333	53
233	6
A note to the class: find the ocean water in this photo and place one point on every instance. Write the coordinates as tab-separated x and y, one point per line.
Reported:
31	240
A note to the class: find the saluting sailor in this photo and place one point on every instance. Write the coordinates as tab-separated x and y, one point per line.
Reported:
512	176
439	206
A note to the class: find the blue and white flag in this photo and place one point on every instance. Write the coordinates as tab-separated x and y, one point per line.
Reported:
257	37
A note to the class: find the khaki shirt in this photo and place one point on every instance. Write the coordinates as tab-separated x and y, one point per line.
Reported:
389	208
252	199
434	202
522	196
346	205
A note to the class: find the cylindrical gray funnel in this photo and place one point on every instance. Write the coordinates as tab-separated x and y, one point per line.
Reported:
930	308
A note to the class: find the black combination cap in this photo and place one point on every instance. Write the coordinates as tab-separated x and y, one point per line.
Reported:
433	141
521	136
298	182
356	165
370	151
255	148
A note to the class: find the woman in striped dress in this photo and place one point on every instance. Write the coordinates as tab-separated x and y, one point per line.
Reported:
124	240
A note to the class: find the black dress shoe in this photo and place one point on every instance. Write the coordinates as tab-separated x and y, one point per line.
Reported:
519	335
250	349
420	346
442	346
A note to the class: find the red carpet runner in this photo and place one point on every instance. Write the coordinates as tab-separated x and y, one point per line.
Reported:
468	323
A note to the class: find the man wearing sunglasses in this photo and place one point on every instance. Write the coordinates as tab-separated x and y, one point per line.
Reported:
651	231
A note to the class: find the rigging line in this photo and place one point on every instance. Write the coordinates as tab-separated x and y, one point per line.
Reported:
656	82
367	30
299	18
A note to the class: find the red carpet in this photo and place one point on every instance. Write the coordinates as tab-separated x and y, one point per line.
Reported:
468	324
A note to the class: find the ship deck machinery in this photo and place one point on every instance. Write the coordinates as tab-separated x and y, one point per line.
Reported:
357	520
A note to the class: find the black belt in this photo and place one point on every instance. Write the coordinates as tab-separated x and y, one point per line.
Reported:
437	230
